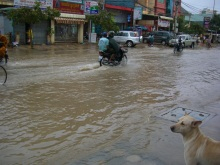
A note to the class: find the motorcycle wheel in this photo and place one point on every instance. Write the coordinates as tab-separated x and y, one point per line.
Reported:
124	60
104	61
175	50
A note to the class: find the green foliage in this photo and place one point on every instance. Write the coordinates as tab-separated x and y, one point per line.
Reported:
190	28
26	15
215	22
195	28
104	19
32	15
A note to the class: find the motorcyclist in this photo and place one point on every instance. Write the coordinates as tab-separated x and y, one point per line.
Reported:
103	44
179	43
113	46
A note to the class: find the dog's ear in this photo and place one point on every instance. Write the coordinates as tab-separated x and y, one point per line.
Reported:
186	114
196	123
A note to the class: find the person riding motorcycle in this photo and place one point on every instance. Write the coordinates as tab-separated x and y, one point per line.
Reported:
179	44
103	44
113	47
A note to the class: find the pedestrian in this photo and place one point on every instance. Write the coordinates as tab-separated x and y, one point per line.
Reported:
151	40
204	38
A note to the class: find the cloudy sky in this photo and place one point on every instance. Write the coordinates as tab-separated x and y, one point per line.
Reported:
194	6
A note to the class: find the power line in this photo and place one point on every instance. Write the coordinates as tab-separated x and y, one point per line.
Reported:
192	8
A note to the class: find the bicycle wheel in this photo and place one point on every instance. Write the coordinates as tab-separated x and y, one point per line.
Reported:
3	75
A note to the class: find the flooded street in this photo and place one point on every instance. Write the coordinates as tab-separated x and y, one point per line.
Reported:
59	107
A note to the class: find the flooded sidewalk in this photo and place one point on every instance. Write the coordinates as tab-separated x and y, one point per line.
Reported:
59	107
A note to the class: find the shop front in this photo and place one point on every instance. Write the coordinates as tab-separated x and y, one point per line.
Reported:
164	23
123	15
69	26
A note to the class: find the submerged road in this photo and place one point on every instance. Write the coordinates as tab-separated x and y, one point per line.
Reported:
59	107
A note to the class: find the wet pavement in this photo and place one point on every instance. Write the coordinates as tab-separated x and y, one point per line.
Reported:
59	107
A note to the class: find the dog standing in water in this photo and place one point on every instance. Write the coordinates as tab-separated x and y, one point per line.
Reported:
198	148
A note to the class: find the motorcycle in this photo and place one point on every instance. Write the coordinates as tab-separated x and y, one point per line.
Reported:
178	47
104	58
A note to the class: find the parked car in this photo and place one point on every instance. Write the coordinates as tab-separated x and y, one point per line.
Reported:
187	40
130	38
159	37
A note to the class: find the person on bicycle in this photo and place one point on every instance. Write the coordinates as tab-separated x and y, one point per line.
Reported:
103	44
113	46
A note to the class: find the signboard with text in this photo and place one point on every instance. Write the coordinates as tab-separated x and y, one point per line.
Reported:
206	22
138	12
30	3
73	1
68	7
163	23
91	7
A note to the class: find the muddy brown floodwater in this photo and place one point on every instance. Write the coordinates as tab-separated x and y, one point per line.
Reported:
59	107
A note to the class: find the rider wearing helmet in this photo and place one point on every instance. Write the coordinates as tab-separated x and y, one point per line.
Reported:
113	46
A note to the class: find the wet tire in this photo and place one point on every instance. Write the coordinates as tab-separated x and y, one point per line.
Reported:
174	50
192	45
3	75
183	45
124	60
129	43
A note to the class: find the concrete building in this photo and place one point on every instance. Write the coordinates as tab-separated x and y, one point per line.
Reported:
68	27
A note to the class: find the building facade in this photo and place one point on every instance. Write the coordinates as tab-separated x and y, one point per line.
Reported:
68	27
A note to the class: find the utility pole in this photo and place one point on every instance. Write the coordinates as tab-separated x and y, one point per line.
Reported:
103	5
176	14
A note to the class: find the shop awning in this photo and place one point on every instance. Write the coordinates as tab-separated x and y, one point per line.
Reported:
149	17
166	18
69	20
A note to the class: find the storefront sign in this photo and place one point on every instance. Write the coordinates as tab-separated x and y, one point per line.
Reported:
206	22
91	7
67	7
163	23
73	1
138	13
30	3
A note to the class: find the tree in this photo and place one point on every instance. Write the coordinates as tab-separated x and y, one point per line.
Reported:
215	22
32	16
190	28
194	28
105	19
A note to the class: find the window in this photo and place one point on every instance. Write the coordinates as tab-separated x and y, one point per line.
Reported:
160	1
159	33
125	34
134	34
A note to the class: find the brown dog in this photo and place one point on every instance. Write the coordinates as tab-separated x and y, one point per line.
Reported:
198	149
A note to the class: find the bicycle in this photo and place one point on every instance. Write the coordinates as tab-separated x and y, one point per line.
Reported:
3	75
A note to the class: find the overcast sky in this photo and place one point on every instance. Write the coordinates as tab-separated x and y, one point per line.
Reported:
194	6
